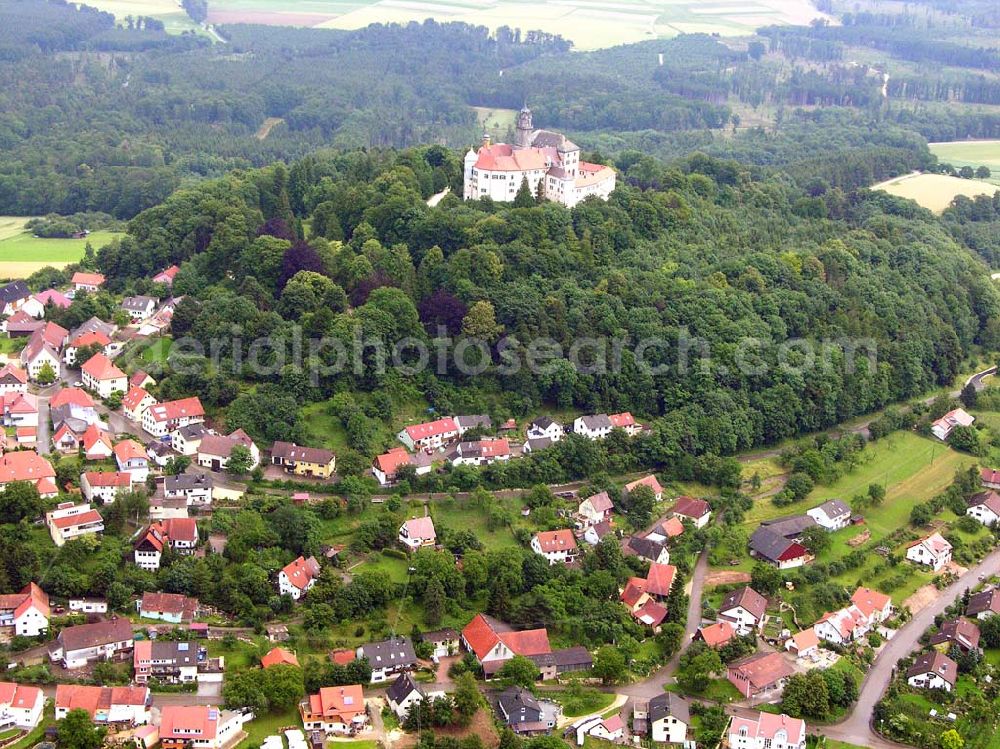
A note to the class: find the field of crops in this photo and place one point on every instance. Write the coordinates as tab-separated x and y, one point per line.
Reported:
21	254
974	153
934	191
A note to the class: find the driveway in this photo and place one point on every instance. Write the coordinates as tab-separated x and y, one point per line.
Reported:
43	443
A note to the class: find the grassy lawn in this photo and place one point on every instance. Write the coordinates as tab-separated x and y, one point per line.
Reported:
21	248
38	732
238	657
587	701
157	351
459	515
719	690
10	345
269	725
322	428
395	568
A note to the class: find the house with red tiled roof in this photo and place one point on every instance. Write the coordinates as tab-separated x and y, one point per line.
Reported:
933	670
162	418
558	547
135	403
843	626
698	511
180	534
39	355
131	458
297	577
626	422
989	478
19	409
168	607
873	604
342	657
97	443
122	705
278	657
140	378
20	705
75	397
804	643
417	532
13	379
26	613
716	635
53	297
335	710
649	481
69	521
87	281
100	375
643	607
27	465
87	338
480	453
933	551
494	642
959	633
200	727
595	509
759	673
959	417
429	435
660	579
766	731
386	466
166	276
104	485
985	507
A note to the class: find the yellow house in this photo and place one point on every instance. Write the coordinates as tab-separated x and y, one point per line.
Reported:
304	461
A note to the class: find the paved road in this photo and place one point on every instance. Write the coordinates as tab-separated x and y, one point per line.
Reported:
856	728
43	443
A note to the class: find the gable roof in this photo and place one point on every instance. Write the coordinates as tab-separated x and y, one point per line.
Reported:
553	541
960	631
129	450
717	634
690	507
649	481
83	636
749	599
421	527
390	462
56	298
13	292
278	657
300	572
88	279
660	579
298	453
773	546
601	502
762	669
24	465
109	478
430	429
791	526
596	422
935	543
72	396
30	596
483	632
988	499
90	337
81	697
12	372
805	639
402	687
644	547
338	702
189	407
170	603
984	601
833	509
669	704
934	662
869	601
395	651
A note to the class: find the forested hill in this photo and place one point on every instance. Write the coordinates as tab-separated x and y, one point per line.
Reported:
710	249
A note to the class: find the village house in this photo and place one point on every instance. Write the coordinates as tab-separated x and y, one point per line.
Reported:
844	626
278	657
494	642
173	662
593	426
646	548
524	714
650	482
131	458
772	547
24	614
70	521
481	452
626	422
214	450
759	673
27	465
985	507
405	692
607	729
933	670
179	534
105	705
545	428
335	710
100	375
989	478
595	509
960	633
97	443
39	356
162	418
641	604
79	404
140	378
53	297
138	308
386	467
745	609
88	605
13	296
13	379
200	727
943	427
933	551
984	604
104	485
20	325
89	338
669	717
558	547
166	276
803	644
195	488
303	461
697	511
832	515
429	435
876	606
417	532
79	645
297	577
159	452
766	731
481	422
594	534
187	439
388	657
83	281
20	706
716	635
547	162
135	403
564	661
167	607
19	410
444	642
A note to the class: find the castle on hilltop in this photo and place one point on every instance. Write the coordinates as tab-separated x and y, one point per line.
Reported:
550	162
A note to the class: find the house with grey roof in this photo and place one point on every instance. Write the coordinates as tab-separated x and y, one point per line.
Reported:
138	307
545	428
668	718
593	426
791	527
831	515
473	421
774	548
524	713
388	657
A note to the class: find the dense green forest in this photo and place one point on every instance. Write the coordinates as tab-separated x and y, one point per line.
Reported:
112	118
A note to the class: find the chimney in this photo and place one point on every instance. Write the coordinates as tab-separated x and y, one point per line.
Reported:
486	139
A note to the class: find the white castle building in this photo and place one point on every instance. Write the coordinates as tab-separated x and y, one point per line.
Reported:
538	156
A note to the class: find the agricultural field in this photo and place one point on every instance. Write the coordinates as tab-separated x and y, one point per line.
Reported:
589	24
974	153
934	191
21	254
175	20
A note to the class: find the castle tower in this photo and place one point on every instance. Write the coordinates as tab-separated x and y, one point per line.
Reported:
524	128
